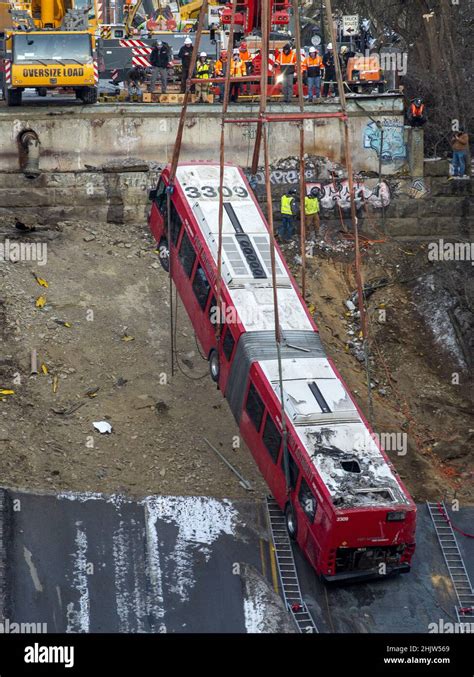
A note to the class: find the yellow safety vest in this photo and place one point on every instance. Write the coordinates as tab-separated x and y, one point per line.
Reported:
202	71
286	205
311	205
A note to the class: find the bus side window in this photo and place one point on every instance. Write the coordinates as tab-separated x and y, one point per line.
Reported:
272	438
187	255
307	500
293	469
254	407
228	343
175	225
160	196
201	286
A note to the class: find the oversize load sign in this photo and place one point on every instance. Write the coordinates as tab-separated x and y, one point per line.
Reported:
350	24
52	72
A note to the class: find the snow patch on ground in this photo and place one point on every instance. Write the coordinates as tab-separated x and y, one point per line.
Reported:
200	521
263	608
433	304
78	618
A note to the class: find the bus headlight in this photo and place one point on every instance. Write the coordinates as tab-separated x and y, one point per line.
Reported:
396	516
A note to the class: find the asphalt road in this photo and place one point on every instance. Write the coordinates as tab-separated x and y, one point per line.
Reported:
167	564
90	563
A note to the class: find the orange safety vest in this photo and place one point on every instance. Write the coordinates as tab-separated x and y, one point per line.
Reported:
309	62
417	112
287	59
219	68
245	56
237	69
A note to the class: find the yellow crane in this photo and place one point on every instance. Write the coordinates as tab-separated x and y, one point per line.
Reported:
46	45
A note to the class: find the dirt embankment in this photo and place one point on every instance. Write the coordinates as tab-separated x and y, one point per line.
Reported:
421	380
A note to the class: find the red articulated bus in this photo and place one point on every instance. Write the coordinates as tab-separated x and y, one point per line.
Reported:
344	503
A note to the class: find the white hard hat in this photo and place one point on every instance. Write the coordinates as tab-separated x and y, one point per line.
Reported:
329	46
203	54
235	50
188	41
312	49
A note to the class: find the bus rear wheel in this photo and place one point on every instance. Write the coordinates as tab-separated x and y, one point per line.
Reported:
164	254
291	523
214	366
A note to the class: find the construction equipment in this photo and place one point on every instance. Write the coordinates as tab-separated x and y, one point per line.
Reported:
364	73
47	45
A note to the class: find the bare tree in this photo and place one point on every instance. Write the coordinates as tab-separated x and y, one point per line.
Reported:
437	38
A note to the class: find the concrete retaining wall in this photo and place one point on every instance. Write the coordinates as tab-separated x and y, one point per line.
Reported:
417	208
77	138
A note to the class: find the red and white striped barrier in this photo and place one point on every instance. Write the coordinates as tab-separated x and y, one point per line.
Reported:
8	71
140	51
96	71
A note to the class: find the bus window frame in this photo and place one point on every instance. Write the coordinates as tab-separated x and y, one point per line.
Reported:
275	460
189	275
228	331
250	386
209	289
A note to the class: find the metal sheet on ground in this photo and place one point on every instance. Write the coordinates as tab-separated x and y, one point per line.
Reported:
404	604
90	564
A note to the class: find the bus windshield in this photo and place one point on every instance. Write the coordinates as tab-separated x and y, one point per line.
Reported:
52	48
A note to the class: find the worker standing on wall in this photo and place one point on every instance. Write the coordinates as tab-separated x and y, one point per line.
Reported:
329	64
159	59
287	63
220	69
185	54
288	210
246	59
311	211
237	70
313	65
203	73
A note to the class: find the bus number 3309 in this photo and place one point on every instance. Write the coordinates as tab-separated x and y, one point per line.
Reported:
211	192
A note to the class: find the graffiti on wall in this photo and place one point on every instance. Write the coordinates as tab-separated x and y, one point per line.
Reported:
336	195
393	147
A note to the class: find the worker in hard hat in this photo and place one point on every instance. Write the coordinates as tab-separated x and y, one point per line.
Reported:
237	70
311	212
159	60
203	73
417	113
246	59
185	54
330	79
288	209
313	67
220	69
287	62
